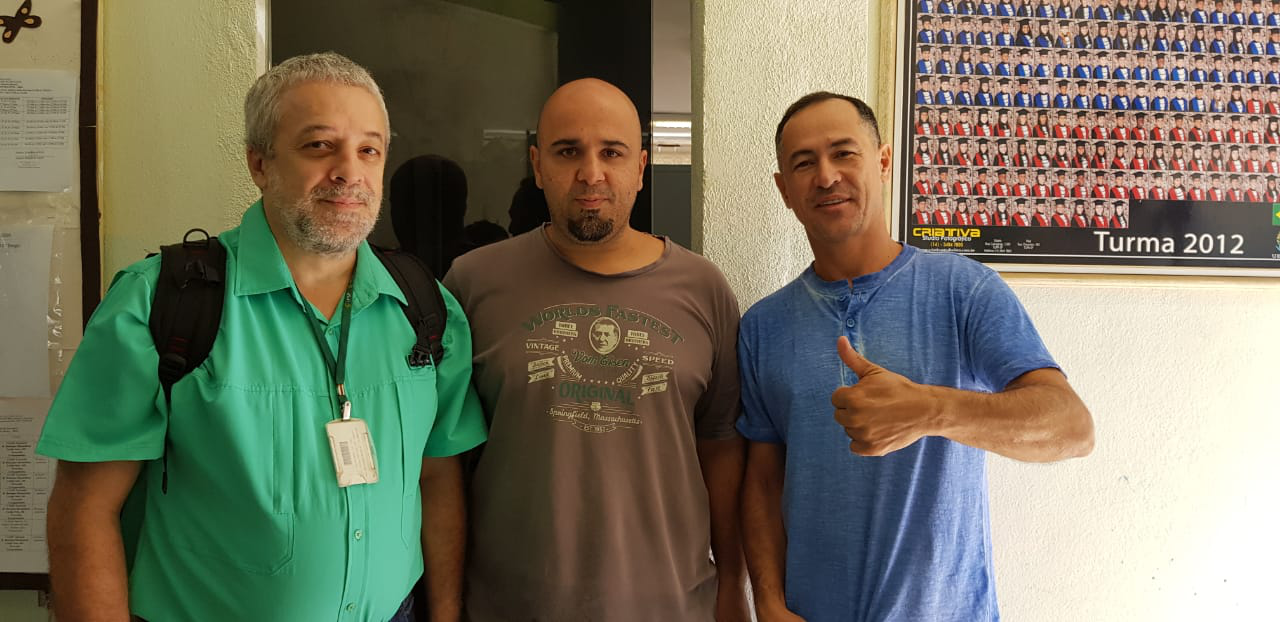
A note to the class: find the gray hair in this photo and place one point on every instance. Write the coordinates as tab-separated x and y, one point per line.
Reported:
262	104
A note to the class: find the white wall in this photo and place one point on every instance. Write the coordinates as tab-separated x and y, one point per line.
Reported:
173	79
1172	516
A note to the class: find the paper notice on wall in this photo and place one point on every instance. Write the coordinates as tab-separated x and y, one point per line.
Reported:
25	482
24	310
37	130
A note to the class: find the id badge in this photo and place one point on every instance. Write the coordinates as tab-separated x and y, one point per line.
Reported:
352	449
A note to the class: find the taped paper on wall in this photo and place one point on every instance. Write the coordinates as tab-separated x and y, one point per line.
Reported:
25	482
37	130
24	310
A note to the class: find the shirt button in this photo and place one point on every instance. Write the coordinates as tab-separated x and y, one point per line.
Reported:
351	607
359	534
849	322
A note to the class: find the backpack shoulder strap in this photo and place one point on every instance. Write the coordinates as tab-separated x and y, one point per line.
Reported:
186	311
424	306
187	308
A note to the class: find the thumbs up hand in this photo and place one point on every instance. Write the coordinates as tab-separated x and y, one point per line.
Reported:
884	411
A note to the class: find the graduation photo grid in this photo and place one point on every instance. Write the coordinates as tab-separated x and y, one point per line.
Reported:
1059	114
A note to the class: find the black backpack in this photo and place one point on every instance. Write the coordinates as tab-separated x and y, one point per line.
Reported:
187	308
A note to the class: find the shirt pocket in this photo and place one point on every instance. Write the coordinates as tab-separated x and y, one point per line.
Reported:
229	458
416	397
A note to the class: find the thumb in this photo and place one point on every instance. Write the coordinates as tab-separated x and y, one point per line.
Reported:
852	359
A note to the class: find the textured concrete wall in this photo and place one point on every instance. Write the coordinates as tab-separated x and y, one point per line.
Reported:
750	61
174	75
1170	518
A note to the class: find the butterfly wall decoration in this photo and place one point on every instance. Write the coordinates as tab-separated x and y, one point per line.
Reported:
22	19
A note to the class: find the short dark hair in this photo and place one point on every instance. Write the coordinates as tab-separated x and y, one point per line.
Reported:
817	97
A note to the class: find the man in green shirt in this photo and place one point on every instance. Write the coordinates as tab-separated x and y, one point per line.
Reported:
255	524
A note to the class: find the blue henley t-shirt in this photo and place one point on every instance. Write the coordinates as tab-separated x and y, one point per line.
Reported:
905	536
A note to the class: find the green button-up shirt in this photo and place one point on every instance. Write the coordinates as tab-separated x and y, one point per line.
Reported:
254	526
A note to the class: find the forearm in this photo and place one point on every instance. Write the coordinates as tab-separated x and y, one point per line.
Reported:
1038	418
766	548
86	553
722	464
444	536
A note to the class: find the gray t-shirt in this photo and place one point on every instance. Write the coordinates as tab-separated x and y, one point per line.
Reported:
588	502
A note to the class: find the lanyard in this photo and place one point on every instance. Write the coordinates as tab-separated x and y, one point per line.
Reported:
337	367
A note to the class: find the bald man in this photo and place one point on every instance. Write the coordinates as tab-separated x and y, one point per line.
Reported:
613	466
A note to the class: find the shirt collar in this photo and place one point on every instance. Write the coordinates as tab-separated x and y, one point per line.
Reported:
841	289
261	268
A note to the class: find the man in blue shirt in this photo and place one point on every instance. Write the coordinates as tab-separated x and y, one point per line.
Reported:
884	515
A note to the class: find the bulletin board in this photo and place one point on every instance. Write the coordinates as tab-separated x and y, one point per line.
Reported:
49	249
1090	137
